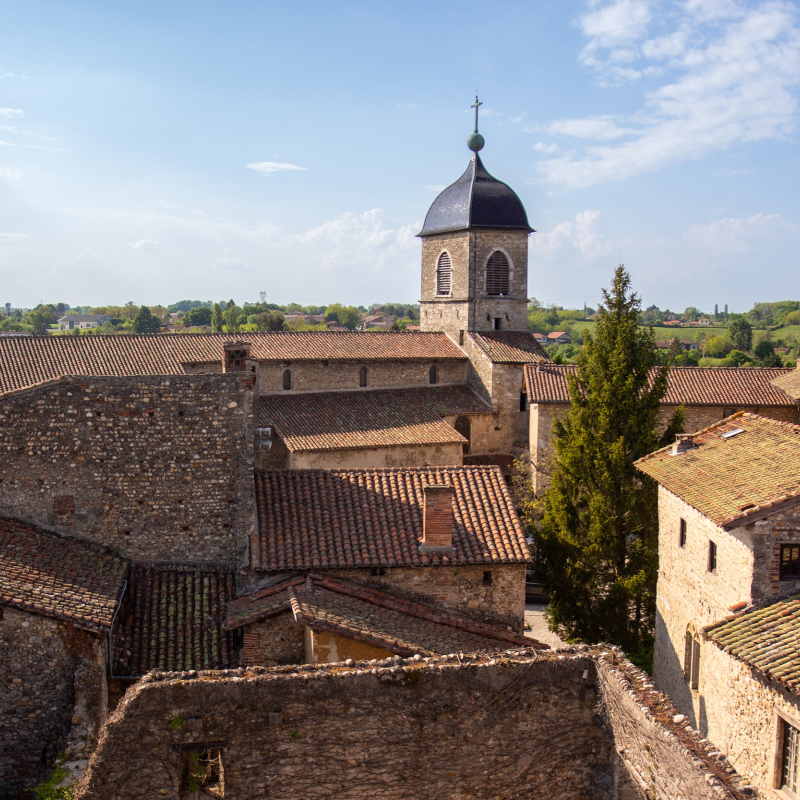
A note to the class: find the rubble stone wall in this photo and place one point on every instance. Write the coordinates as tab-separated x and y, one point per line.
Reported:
272	641
160	468
434	455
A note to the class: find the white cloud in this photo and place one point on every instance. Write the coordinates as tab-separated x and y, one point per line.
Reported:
733	80
143	244
581	237
9	172
269	167
733	234
10	238
541	147
11	112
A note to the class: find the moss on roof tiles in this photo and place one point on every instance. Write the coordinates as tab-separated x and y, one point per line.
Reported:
510	347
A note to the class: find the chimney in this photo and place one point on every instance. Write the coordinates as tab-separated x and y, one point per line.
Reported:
683	442
437	512
235	356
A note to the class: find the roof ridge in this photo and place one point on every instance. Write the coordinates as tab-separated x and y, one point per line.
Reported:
365	470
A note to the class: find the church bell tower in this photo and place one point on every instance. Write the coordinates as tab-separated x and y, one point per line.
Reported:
475	254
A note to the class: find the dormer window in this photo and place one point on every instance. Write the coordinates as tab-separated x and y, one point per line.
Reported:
444	274
497	270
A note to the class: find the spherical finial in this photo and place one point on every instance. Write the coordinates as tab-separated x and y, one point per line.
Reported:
475	142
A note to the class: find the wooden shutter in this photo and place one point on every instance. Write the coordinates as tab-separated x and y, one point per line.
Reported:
444	274
497	274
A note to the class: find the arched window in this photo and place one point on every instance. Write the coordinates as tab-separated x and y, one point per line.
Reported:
463	427
363	376
497	274
444	274
433	374
288	379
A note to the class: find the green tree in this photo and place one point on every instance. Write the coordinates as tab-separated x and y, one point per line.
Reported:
145	322
270	321
349	316
216	318
40	318
231	316
764	350
715	347
741	334
596	545
199	315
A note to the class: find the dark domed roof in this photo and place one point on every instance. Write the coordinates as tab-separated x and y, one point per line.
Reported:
476	200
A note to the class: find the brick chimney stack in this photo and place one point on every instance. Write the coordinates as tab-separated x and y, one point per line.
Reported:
438	519
234	356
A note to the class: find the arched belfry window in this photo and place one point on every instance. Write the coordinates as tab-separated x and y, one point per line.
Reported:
363	377
288	379
433	374
444	274
497	274
462	426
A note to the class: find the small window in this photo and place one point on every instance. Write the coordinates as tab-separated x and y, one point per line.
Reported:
496	323
790	758
433	375
288	380
712	556
682	533
487	578
691	661
202	770
728	412
444	274
497	274
790	562
461	338
363	377
523	401
463	427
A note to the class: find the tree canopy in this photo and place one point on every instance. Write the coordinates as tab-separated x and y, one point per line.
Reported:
145	322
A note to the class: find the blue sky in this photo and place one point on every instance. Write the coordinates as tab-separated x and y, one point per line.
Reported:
160	151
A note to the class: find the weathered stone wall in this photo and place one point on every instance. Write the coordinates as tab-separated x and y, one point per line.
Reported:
492	592
739	713
276	640
156	467
469	307
39	658
699	417
322	375
324	647
542	418
782	527
438	455
511	425
406	730
483	436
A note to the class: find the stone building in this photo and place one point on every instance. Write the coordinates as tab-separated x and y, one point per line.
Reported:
729	539
707	395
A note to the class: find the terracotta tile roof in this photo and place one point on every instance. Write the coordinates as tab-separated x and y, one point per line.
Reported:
373	616
766	637
171	618
789	382
733	478
27	360
58	576
313	519
690	386
510	347
369	418
502	460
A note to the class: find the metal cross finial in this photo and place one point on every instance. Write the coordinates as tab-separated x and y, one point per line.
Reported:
476	105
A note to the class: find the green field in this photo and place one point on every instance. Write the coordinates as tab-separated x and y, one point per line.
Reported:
664	334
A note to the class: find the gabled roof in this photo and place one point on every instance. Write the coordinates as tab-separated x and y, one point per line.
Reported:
369	418
476	200
315	519
84	317
510	347
766	637
58	576
171	618
739	470
690	386
373	616
28	360
789	382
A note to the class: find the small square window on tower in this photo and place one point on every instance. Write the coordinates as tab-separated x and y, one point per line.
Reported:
497	323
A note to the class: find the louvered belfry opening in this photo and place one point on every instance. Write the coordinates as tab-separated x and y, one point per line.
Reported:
497	274
444	274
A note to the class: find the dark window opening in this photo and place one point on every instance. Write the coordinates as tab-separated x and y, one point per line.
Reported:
151	413
523	401
378	571
202	769
728	412
461	338
487	578
790	758
712	556
691	661
682	533
444	274
790	561
288	380
363	377
181	413
1	613
497	274
496	324
463	427
433	375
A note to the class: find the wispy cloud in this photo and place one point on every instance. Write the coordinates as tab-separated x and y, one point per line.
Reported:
732	72
580	237
269	167
11	112
143	244
11	238
9	172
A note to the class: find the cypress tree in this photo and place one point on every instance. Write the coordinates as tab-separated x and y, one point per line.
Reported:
216	318
597	540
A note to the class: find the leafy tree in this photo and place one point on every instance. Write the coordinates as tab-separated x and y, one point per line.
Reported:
597	541
763	350
231	316
792	318
741	334
188	305
270	321
41	319
715	347
737	357
145	322
199	315
216	318
348	316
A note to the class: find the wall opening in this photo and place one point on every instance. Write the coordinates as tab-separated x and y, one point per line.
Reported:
363	377
202	771
433	375
463	427
288	380
444	274
497	272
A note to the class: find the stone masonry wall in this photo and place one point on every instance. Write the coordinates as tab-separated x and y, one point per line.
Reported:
159	468
39	657
782	527
320	376
275	640
501	600
378	457
519	725
740	714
